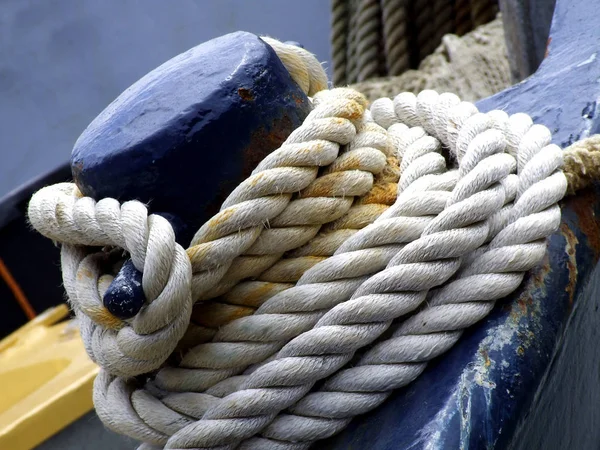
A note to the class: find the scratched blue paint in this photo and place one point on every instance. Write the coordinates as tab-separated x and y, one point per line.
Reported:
480	393
186	134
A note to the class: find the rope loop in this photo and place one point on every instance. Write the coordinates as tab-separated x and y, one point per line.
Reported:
135	345
173	277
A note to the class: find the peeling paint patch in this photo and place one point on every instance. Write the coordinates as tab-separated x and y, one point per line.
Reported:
571	242
587	220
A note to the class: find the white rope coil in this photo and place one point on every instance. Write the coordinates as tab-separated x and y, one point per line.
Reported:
454	242
131	348
371	148
463	225
491	274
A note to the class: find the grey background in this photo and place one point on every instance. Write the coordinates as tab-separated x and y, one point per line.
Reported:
63	61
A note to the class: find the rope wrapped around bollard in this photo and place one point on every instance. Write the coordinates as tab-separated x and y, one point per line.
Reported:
461	234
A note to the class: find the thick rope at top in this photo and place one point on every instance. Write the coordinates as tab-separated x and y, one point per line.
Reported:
438	257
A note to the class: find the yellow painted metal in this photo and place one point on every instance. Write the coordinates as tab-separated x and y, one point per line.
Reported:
46	380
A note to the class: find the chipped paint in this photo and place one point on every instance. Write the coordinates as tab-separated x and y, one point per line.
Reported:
587	220
571	242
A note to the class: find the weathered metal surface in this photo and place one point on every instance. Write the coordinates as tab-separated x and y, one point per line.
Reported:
564	413
480	394
526	27
564	92
186	134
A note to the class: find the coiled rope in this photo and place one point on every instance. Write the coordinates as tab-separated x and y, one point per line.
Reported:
375	38
454	241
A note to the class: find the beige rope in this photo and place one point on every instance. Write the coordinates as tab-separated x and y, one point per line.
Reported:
129	348
142	415
474	66
245	297
582	163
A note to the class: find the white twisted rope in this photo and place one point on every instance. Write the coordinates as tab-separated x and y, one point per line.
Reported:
424	263
267	193
326	199
60	213
466	225
282	317
142	344
473	137
491	274
366	151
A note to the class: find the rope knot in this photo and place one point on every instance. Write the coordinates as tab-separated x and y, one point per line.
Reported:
127	338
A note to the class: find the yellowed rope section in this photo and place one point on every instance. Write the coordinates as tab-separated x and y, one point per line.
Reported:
247	296
582	163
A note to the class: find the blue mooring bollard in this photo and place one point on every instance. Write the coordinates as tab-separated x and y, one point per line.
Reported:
185	135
